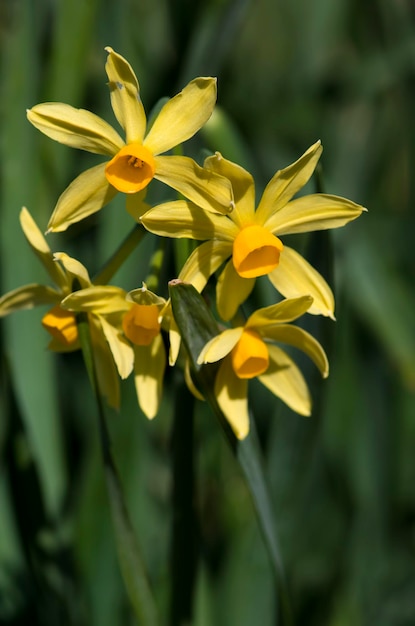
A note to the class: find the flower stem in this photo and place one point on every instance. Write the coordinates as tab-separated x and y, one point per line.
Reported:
120	255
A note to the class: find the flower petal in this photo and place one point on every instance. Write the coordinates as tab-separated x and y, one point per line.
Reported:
220	346
285	183
182	116
204	188
107	374
98	299
121	349
231	393
301	339
149	365
296	277
76	128
231	291
242	185
284	380
203	262
86	195
28	297
42	250
183	219
125	96
314	212
285	311
74	268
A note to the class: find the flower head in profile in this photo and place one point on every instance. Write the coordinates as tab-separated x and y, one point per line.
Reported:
249	239
251	351
142	325
72	292
134	162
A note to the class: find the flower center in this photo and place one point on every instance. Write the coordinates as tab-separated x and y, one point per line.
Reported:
256	251
140	324
131	169
61	325
250	355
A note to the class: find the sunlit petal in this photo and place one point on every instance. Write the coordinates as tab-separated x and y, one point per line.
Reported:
301	339
86	195
242	185
313	212
231	291
204	188
76	128
149	366
100	299
203	262
284	380
285	311
125	96
121	349
42	250
231	394
27	297
73	268
183	219
182	116
296	277
221	345
285	183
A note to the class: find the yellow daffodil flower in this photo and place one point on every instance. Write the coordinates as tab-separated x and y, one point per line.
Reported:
142	325
133	163
250	238
249	352
105	306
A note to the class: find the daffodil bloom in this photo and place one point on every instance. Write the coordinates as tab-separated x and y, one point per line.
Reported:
104	305
250	351
142	325
135	162
250	238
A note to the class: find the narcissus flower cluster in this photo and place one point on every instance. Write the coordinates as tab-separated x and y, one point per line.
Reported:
238	240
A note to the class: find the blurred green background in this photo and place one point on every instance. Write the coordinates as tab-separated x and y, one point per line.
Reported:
343	482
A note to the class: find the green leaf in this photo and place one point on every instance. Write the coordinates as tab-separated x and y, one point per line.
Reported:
197	326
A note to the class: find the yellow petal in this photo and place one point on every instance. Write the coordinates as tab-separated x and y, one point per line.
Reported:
76	128
313	212
27	297
285	183
183	219
74	269
231	393
131	169
301	339
296	277
145	297
121	349
189	382
220	346
42	250
149	366
204	188
250	355
86	195
231	291
285	311
284	380
98	299
107	374
125	96
242	185
182	116
256	251
203	262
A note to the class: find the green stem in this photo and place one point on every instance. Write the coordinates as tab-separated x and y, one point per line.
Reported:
129	557
120	255
183	546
